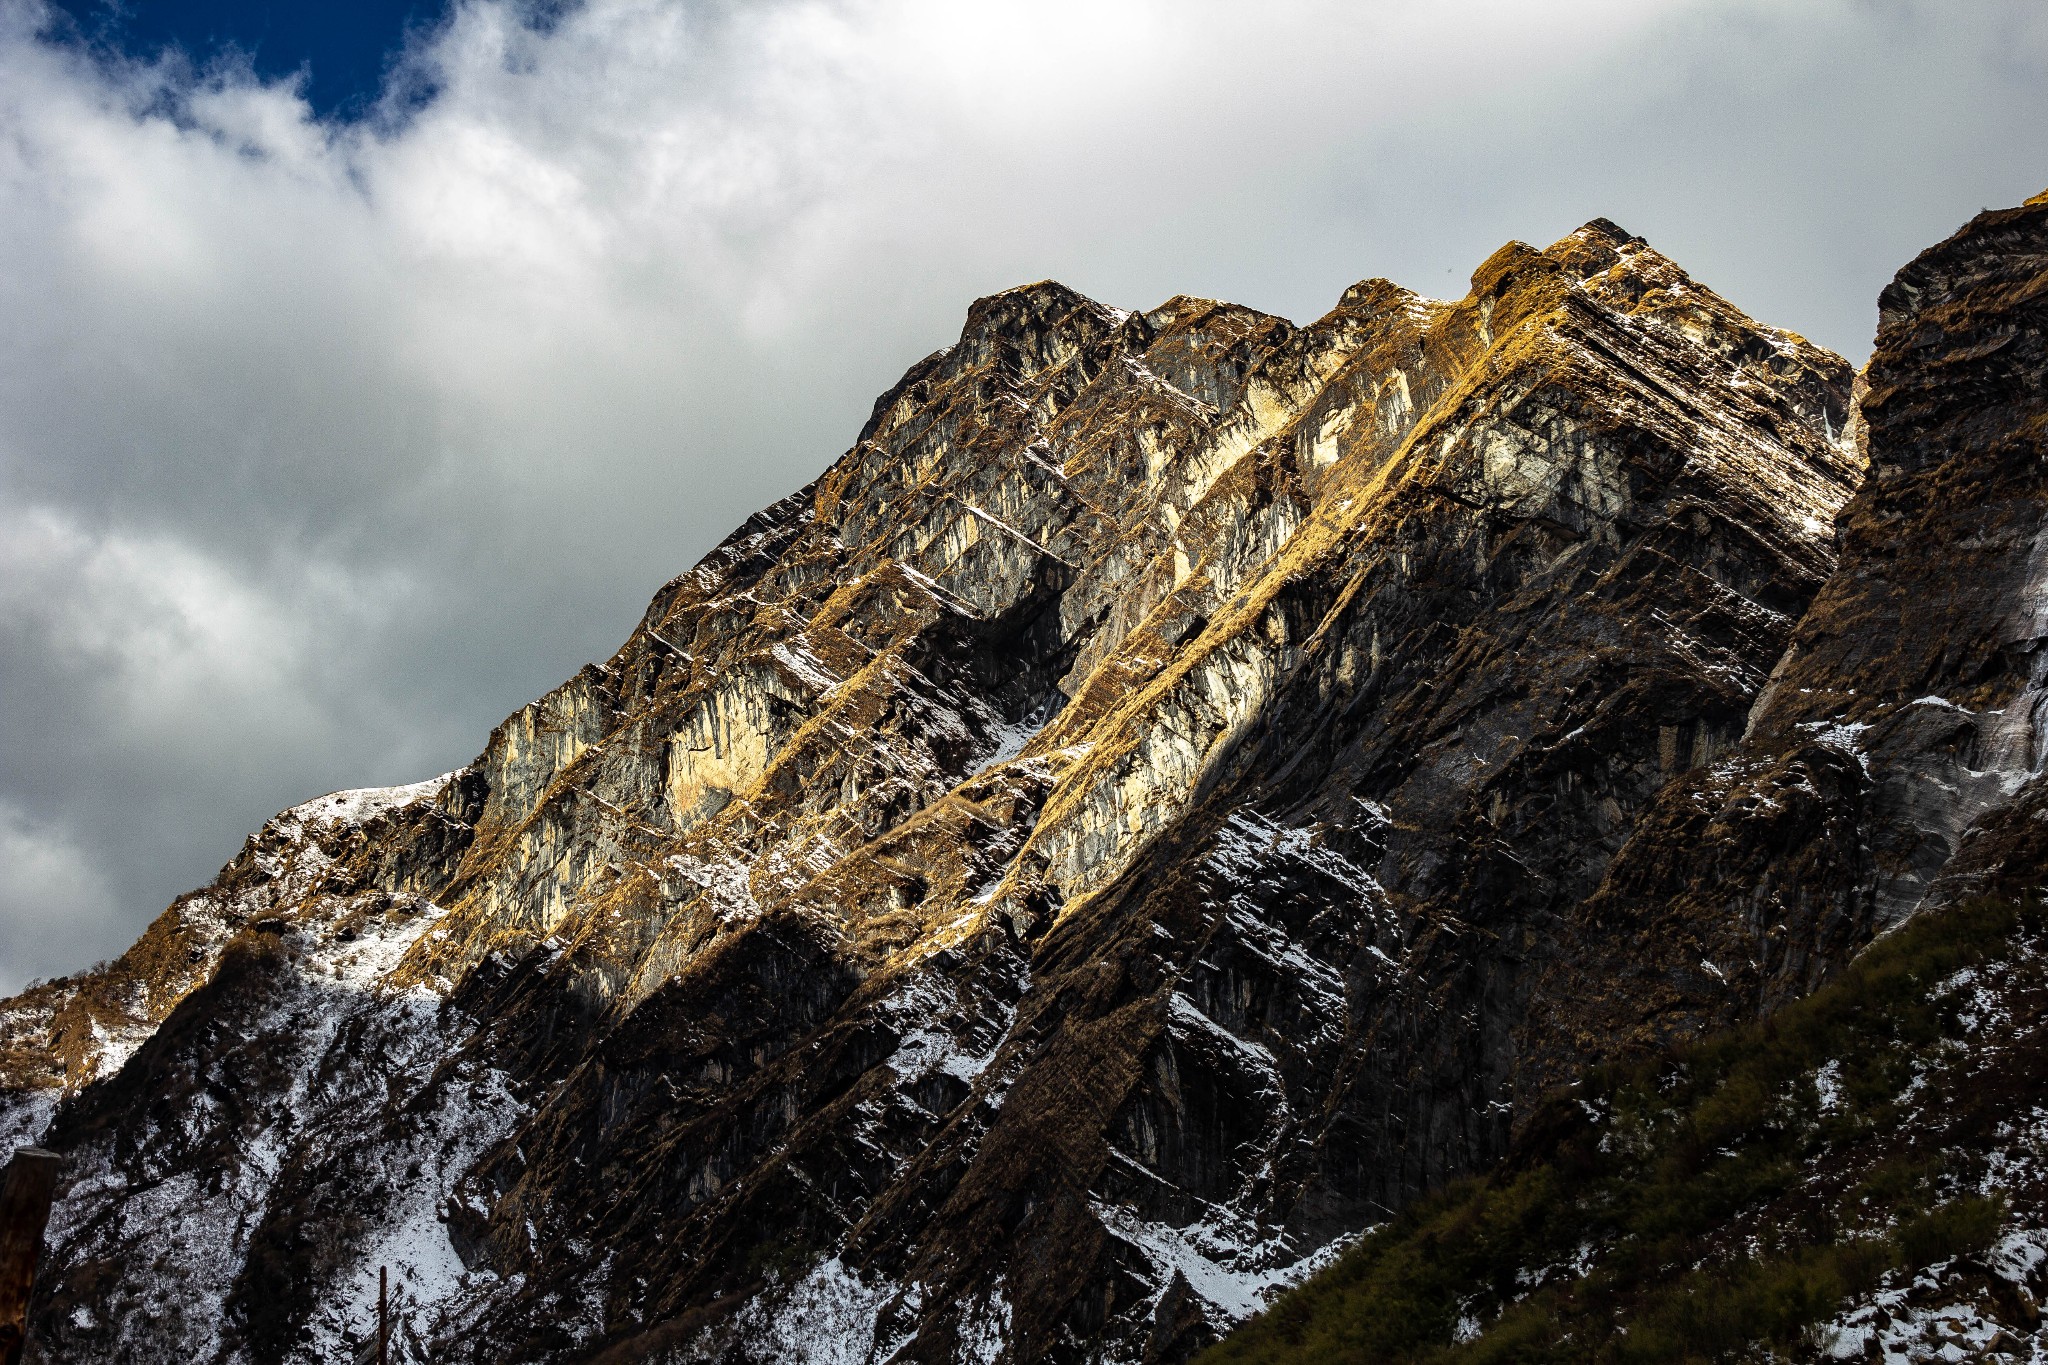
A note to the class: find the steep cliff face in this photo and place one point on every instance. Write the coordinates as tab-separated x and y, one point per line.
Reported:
1861	1176
1893	764
1023	897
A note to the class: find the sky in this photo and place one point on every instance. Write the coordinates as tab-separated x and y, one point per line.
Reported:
366	368
340	52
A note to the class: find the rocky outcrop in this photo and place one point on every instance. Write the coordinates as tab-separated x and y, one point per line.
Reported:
1894	762
1858	1176
1024	896
332	856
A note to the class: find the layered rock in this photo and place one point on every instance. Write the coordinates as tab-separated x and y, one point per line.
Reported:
1022	897
1859	1177
1894	763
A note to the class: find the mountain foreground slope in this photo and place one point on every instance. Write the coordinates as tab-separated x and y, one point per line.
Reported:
1179	789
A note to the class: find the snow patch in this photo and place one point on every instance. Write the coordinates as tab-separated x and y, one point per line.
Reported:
2018	1254
726	881
1182	1012
829	1317
927	1049
1011	736
364	804
1827	1087
984	1329
24	1115
1234	1266
1842	737
1891	1329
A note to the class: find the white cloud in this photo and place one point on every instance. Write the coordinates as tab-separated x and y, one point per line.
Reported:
323	446
57	909
167	636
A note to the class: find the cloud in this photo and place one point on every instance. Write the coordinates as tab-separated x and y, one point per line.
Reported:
164	636
323	445
53	898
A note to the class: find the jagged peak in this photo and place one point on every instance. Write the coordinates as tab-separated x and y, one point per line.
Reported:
1041	302
1188	309
1032	323
1503	267
1045	289
1609	231
1600	246
1596	246
1179	309
1376	294
1986	238
889	397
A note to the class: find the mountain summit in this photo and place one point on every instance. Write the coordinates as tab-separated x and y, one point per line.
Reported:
1179	788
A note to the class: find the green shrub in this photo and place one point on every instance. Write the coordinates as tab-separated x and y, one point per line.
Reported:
1726	1126
1962	1227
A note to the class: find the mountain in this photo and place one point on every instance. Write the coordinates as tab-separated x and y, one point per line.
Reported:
1860	1175
1179	790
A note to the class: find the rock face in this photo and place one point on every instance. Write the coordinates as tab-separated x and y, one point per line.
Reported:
1153	805
1893	768
1861	1175
1894	762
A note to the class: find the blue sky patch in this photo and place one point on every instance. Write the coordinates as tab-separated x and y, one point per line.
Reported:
345	48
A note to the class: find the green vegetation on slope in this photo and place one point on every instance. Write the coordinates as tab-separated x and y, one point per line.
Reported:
1713	1205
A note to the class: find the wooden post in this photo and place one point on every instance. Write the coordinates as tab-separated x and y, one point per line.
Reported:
383	1319
24	1207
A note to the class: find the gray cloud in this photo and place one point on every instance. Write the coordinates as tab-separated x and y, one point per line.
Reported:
322	447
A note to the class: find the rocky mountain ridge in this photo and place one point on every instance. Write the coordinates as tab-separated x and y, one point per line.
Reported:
1855	1191
1179	787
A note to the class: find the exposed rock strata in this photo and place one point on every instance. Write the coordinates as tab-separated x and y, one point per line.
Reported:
1869	1183
1894	763
1023	896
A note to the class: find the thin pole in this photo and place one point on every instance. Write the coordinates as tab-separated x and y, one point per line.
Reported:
25	1195
383	1320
